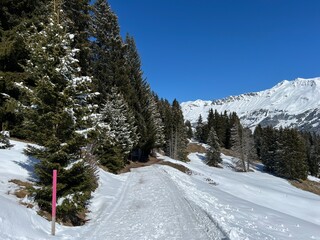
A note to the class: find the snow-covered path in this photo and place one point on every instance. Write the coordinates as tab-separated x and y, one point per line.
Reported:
152	207
160	202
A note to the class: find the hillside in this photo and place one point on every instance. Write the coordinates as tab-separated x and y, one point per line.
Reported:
160	202
288	104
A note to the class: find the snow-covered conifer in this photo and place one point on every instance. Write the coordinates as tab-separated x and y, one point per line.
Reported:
58	104
213	154
116	113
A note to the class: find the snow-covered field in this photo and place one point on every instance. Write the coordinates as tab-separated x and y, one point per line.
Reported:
159	202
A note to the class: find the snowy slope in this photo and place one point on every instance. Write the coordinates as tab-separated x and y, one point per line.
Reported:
289	103
159	202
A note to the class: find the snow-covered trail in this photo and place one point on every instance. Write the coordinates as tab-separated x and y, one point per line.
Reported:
150	206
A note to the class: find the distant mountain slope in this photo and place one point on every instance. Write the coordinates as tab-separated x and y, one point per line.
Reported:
289	103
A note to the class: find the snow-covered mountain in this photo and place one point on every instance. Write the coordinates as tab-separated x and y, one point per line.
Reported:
289	104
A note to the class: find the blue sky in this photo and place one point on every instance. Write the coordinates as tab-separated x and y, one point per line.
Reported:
210	49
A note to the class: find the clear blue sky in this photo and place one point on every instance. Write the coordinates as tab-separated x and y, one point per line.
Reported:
210	49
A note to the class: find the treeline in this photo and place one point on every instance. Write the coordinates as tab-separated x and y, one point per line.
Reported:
225	130
71	84
287	152
284	152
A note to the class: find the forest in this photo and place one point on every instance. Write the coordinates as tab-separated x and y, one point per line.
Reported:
71	84
285	152
74	87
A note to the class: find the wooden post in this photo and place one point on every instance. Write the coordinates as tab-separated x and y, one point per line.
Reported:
54	202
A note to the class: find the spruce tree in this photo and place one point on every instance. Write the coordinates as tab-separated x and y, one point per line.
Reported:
214	152
199	133
78	14
109	66
52	119
292	162
269	150
120	120
314	156
178	136
16	17
144	104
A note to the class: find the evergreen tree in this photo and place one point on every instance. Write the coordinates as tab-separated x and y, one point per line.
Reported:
15	18
314	156
178	138
120	120
108	153
156	127
237	144
292	162
144	104
269	148
4	141
52	118
213	154
109	66
189	129
174	129
257	140
199	133
77	12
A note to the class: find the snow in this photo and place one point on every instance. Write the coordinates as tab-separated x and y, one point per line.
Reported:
315	179
252	205
288	98
160	202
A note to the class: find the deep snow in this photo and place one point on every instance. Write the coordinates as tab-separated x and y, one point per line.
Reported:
159	202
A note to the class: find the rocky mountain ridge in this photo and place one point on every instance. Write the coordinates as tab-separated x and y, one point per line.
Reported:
288	104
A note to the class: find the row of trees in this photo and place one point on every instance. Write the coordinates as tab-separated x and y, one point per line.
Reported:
70	83
285	152
225	130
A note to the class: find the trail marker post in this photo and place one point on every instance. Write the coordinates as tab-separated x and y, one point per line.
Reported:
54	202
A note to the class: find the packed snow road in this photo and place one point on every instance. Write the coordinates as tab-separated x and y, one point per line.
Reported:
150	206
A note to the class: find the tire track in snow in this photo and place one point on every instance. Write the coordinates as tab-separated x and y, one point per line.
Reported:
194	212
111	209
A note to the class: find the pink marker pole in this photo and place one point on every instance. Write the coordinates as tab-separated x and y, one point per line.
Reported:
54	202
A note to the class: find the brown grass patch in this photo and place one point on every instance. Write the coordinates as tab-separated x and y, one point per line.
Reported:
132	164
179	167
24	188
21	183
195	147
228	152
21	193
307	185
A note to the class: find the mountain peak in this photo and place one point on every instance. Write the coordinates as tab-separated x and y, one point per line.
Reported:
288	103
